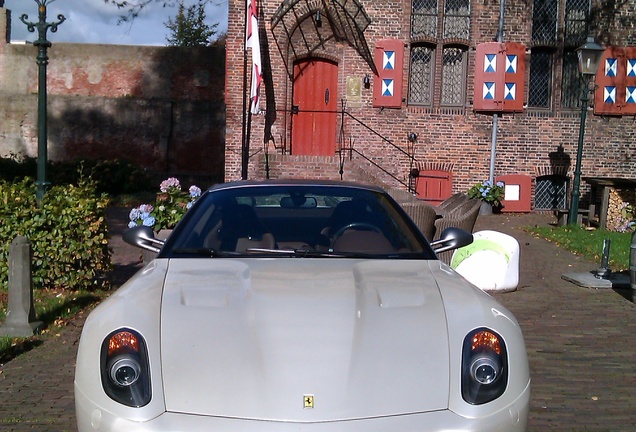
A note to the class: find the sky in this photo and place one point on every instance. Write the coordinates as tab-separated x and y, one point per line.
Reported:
94	21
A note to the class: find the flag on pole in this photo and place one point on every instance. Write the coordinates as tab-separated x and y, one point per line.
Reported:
252	40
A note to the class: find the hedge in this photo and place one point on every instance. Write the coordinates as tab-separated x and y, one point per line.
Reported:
67	231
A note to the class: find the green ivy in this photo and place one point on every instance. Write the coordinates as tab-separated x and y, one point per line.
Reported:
67	231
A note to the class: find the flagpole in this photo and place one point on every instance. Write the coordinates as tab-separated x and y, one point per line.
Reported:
244	144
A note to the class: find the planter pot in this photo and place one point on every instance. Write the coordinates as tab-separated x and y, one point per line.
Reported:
485	209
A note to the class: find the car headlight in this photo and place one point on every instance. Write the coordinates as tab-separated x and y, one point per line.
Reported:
124	368
484	366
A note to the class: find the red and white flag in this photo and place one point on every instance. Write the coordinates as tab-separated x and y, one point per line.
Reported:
252	41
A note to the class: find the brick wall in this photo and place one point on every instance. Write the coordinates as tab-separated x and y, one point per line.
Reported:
162	107
453	137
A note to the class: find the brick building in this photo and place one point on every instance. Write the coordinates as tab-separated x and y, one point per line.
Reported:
394	92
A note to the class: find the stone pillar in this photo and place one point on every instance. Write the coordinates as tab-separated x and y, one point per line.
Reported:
5	24
21	319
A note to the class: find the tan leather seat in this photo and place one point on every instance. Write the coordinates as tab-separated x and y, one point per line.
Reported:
241	229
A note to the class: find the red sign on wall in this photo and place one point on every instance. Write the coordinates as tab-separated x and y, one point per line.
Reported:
500	70
387	86
616	82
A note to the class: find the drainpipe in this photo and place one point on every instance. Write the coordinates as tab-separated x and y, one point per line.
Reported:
495	117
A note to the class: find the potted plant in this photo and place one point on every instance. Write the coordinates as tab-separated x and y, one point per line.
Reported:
170	205
491	194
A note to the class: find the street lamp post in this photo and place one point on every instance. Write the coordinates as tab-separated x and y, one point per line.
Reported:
42	60
589	55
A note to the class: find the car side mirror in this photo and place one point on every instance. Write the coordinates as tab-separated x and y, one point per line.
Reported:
143	237
452	238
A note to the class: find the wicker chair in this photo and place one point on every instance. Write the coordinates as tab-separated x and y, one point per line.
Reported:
452	202
424	215
464	216
400	195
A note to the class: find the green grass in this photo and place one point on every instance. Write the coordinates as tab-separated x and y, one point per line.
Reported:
55	308
589	243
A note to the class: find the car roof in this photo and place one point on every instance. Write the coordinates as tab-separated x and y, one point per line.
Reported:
295	182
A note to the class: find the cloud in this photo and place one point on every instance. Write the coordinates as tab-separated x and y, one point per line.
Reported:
94	21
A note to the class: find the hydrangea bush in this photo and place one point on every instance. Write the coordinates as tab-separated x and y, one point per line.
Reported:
171	203
488	192
626	222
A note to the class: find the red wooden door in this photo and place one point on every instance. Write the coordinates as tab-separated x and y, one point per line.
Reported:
434	186
315	101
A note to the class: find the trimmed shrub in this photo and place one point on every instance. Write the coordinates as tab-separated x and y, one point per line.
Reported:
67	232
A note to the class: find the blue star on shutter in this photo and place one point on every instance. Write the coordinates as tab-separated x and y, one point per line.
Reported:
387	87
489	90
511	64
630	97
631	67
490	63
388	60
611	66
510	91
609	94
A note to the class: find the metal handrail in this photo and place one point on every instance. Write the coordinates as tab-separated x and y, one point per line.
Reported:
352	150
388	141
343	149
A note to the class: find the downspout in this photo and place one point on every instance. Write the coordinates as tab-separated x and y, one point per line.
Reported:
495	118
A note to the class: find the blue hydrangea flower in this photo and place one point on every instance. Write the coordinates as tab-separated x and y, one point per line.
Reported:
134	214
194	191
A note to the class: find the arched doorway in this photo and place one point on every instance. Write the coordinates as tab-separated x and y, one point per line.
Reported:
314	112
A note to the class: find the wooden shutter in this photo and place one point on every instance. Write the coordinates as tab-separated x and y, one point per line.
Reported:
616	82
500	70
387	86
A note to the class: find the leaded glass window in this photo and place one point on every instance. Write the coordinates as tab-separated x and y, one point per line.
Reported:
424	18
453	76
540	81
571	84
421	75
457	19
577	13
544	21
551	193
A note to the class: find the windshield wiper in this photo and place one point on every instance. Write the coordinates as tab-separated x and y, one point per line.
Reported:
206	252
300	253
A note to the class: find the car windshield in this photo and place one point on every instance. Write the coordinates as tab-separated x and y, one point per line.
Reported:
296	221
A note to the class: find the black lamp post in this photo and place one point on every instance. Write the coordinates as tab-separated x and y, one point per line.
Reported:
42	60
589	58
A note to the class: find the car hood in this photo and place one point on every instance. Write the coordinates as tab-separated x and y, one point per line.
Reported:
303	339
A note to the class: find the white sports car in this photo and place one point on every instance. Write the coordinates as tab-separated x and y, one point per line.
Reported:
300	306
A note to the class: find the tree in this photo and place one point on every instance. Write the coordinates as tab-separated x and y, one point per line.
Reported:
131	8
189	29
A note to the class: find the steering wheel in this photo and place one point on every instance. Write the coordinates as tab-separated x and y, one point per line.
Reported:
364	226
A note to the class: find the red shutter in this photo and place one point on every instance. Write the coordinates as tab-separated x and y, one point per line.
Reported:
499	77
630	81
389	60
514	60
616	82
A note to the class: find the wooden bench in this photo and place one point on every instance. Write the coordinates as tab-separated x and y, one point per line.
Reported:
589	213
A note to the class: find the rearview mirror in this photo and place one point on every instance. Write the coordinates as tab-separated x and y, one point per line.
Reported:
143	237
452	238
298	202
